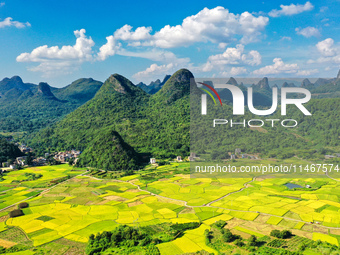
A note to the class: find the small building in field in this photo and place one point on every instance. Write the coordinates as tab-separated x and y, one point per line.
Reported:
237	151
308	186
13	166
179	158
232	156
152	161
5	164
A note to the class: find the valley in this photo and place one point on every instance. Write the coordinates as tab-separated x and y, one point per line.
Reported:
87	203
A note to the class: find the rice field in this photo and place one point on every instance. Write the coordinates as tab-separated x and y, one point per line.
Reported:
81	206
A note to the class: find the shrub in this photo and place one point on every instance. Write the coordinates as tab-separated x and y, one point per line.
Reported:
219	224
239	243
284	234
23	205
16	213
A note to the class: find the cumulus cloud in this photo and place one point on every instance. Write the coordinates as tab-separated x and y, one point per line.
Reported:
329	52
326	48
238	70
2	4
108	49
155	71
292	9
9	22
308	32
124	33
216	25
278	67
65	58
232	56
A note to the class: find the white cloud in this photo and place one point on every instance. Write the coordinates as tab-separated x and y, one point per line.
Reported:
292	9
324	8
9	22
278	67
2	4
329	52
108	49
154	55
216	25
232	56
287	38
306	73
124	33
222	45
155	71
238	70
66	58
326	47
308	32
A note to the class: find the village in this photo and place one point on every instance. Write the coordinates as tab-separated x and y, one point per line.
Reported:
49	158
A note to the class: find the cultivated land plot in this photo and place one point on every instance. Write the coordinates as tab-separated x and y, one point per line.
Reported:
82	206
15	188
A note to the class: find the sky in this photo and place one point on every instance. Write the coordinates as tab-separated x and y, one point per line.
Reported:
60	41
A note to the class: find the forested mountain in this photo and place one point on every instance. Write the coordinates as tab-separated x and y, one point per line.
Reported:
154	86
154	124
314	136
29	107
158	124
79	91
108	151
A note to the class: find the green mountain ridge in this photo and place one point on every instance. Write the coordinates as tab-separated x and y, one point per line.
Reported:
157	124
29	107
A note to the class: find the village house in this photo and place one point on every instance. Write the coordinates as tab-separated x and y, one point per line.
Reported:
64	156
23	148
39	161
21	161
152	161
179	158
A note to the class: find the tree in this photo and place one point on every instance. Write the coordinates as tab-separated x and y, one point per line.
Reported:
252	240
275	233
229	237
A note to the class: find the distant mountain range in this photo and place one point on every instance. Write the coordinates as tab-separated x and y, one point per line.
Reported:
118	124
154	86
29	107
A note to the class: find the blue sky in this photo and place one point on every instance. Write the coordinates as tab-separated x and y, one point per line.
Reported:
61	41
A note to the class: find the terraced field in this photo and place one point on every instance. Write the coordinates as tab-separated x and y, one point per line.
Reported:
72	210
